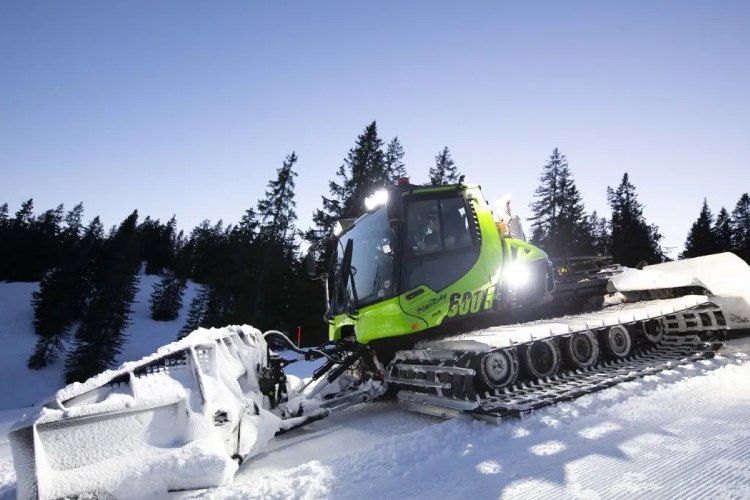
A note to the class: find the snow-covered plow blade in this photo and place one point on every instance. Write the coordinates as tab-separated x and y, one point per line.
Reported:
181	418
725	277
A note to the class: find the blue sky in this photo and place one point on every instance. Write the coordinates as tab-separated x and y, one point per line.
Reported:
188	108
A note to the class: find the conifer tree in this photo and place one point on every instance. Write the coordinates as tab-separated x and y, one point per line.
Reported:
444	171
701	239
394	161
276	248
99	337
63	296
362	172
18	255
600	233
560	225
633	240
196	312
5	236
45	248
247	230
723	231
158	243
221	307
166	297
741	228
53	316
276	210
205	248
25	215
74	222
3	216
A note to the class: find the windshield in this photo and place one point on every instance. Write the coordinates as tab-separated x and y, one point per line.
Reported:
372	259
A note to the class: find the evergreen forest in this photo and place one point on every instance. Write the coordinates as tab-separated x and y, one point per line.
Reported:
253	271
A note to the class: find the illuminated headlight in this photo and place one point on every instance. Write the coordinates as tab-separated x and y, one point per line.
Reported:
376	199
562	270
518	275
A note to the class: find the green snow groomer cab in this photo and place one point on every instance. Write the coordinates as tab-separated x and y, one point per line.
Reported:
424	257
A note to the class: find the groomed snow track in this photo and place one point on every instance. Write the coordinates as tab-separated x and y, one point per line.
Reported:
441	378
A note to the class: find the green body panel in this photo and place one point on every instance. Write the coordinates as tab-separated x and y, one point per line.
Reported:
473	293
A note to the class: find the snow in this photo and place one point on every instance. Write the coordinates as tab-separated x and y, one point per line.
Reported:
680	433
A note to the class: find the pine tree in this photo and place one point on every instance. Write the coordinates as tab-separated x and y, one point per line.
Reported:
394	161
100	335
53	316
45	250
276	249
633	240
166	297
560	225
6	233
741	228
701	239
444	171
723	231
25	215
62	299
221	307
3	216
74	222
600	233
158	243
276	210
362	172
18	253
196	312
247	230
204	250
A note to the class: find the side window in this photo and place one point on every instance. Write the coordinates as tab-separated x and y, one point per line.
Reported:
423	227
455	225
437	225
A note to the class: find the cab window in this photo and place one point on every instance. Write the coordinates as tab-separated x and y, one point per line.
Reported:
439	245
437	225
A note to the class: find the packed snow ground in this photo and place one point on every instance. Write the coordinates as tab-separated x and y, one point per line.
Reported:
680	434
683	433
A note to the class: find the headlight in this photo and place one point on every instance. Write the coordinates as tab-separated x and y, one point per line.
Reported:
517	275
376	199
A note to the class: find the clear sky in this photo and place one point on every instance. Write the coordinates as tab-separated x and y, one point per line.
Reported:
188	108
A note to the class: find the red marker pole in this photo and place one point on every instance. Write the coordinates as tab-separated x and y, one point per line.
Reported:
299	336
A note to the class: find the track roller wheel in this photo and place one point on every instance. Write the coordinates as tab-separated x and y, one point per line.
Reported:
653	331
616	342
580	350
498	369
540	359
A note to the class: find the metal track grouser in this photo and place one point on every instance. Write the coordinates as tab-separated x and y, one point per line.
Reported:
480	373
